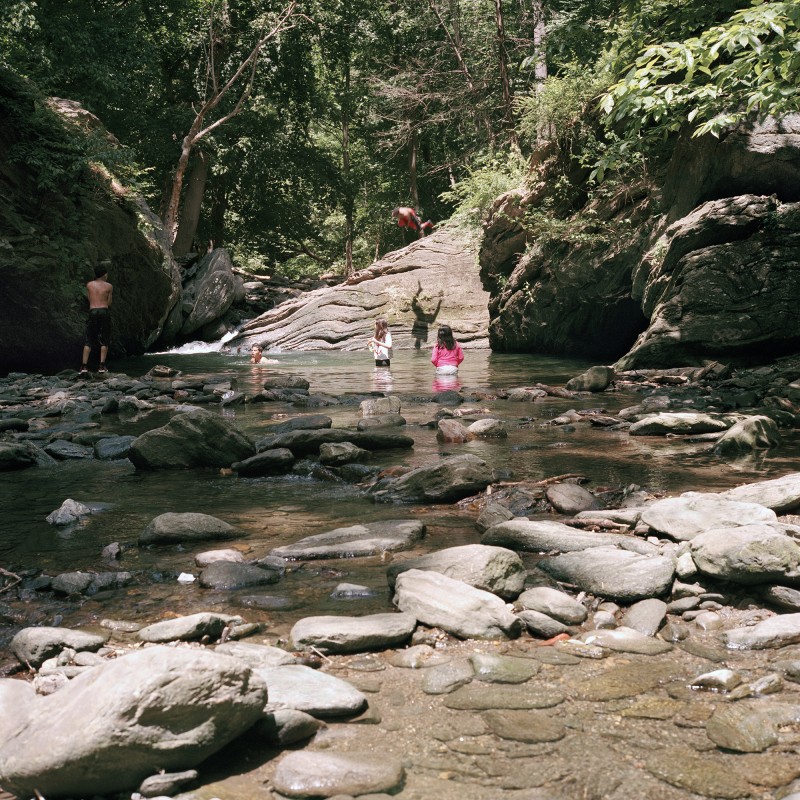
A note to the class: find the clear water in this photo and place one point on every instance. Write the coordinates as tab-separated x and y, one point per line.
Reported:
275	511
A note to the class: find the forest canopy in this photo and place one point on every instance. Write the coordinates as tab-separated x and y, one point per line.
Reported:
287	131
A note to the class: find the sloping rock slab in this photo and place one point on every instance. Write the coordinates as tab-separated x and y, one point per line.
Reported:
782	495
613	573
405	286
188	628
454	606
335	634
493	569
372	538
543	536
683	517
156	709
680	422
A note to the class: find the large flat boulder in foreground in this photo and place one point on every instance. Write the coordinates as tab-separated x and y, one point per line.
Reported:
161	708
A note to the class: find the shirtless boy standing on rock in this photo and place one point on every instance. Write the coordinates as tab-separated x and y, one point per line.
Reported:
98	327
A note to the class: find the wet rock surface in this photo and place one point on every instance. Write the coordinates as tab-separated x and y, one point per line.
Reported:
606	689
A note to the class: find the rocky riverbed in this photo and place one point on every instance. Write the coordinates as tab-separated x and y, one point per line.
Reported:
584	644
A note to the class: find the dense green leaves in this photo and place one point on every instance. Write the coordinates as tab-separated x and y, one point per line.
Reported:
746	67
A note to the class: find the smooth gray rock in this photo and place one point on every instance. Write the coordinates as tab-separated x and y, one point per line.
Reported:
782	495
752	433
229	575
22	455
191	439
682	518
544	536
493	569
460	609
310	773
334	454
159	708
62	450
305	689
541	625
16	703
446	678
646	616
68	513
332	634
188	628
555	603
488	428
286	726
442	482
110	448
749	554
377	406
493	668
257	656
626	640
173	528
570	498
35	645
777	631
595	379
166	783
492	514
679	422
211	556
268	462
616	574
380	421
372	538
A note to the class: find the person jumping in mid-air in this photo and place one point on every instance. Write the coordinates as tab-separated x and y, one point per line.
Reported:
407	218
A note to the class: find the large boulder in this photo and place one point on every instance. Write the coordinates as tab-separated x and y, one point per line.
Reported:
172	528
405	286
55	239
208	294
195	438
336	634
757	553
720	281
160	708
493	569
443	482
613	573
454	606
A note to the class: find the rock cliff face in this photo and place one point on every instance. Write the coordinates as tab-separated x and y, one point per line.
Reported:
702	263
432	281
53	236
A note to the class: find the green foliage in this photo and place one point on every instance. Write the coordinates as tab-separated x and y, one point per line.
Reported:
744	68
493	175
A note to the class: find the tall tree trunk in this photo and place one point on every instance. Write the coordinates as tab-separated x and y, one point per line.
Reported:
502	56
219	207
544	132
192	202
412	170
349	199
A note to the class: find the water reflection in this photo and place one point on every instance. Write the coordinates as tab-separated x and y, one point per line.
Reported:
382	380
445	383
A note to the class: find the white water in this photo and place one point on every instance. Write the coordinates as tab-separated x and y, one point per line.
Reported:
192	348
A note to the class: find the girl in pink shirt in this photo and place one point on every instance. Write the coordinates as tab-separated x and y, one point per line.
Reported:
447	353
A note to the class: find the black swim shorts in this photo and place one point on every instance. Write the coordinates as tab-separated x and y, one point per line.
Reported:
98	327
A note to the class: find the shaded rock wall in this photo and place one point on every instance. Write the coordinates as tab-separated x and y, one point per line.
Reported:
433	281
702	262
51	239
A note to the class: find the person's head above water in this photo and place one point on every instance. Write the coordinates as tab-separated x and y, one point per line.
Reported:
445	337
